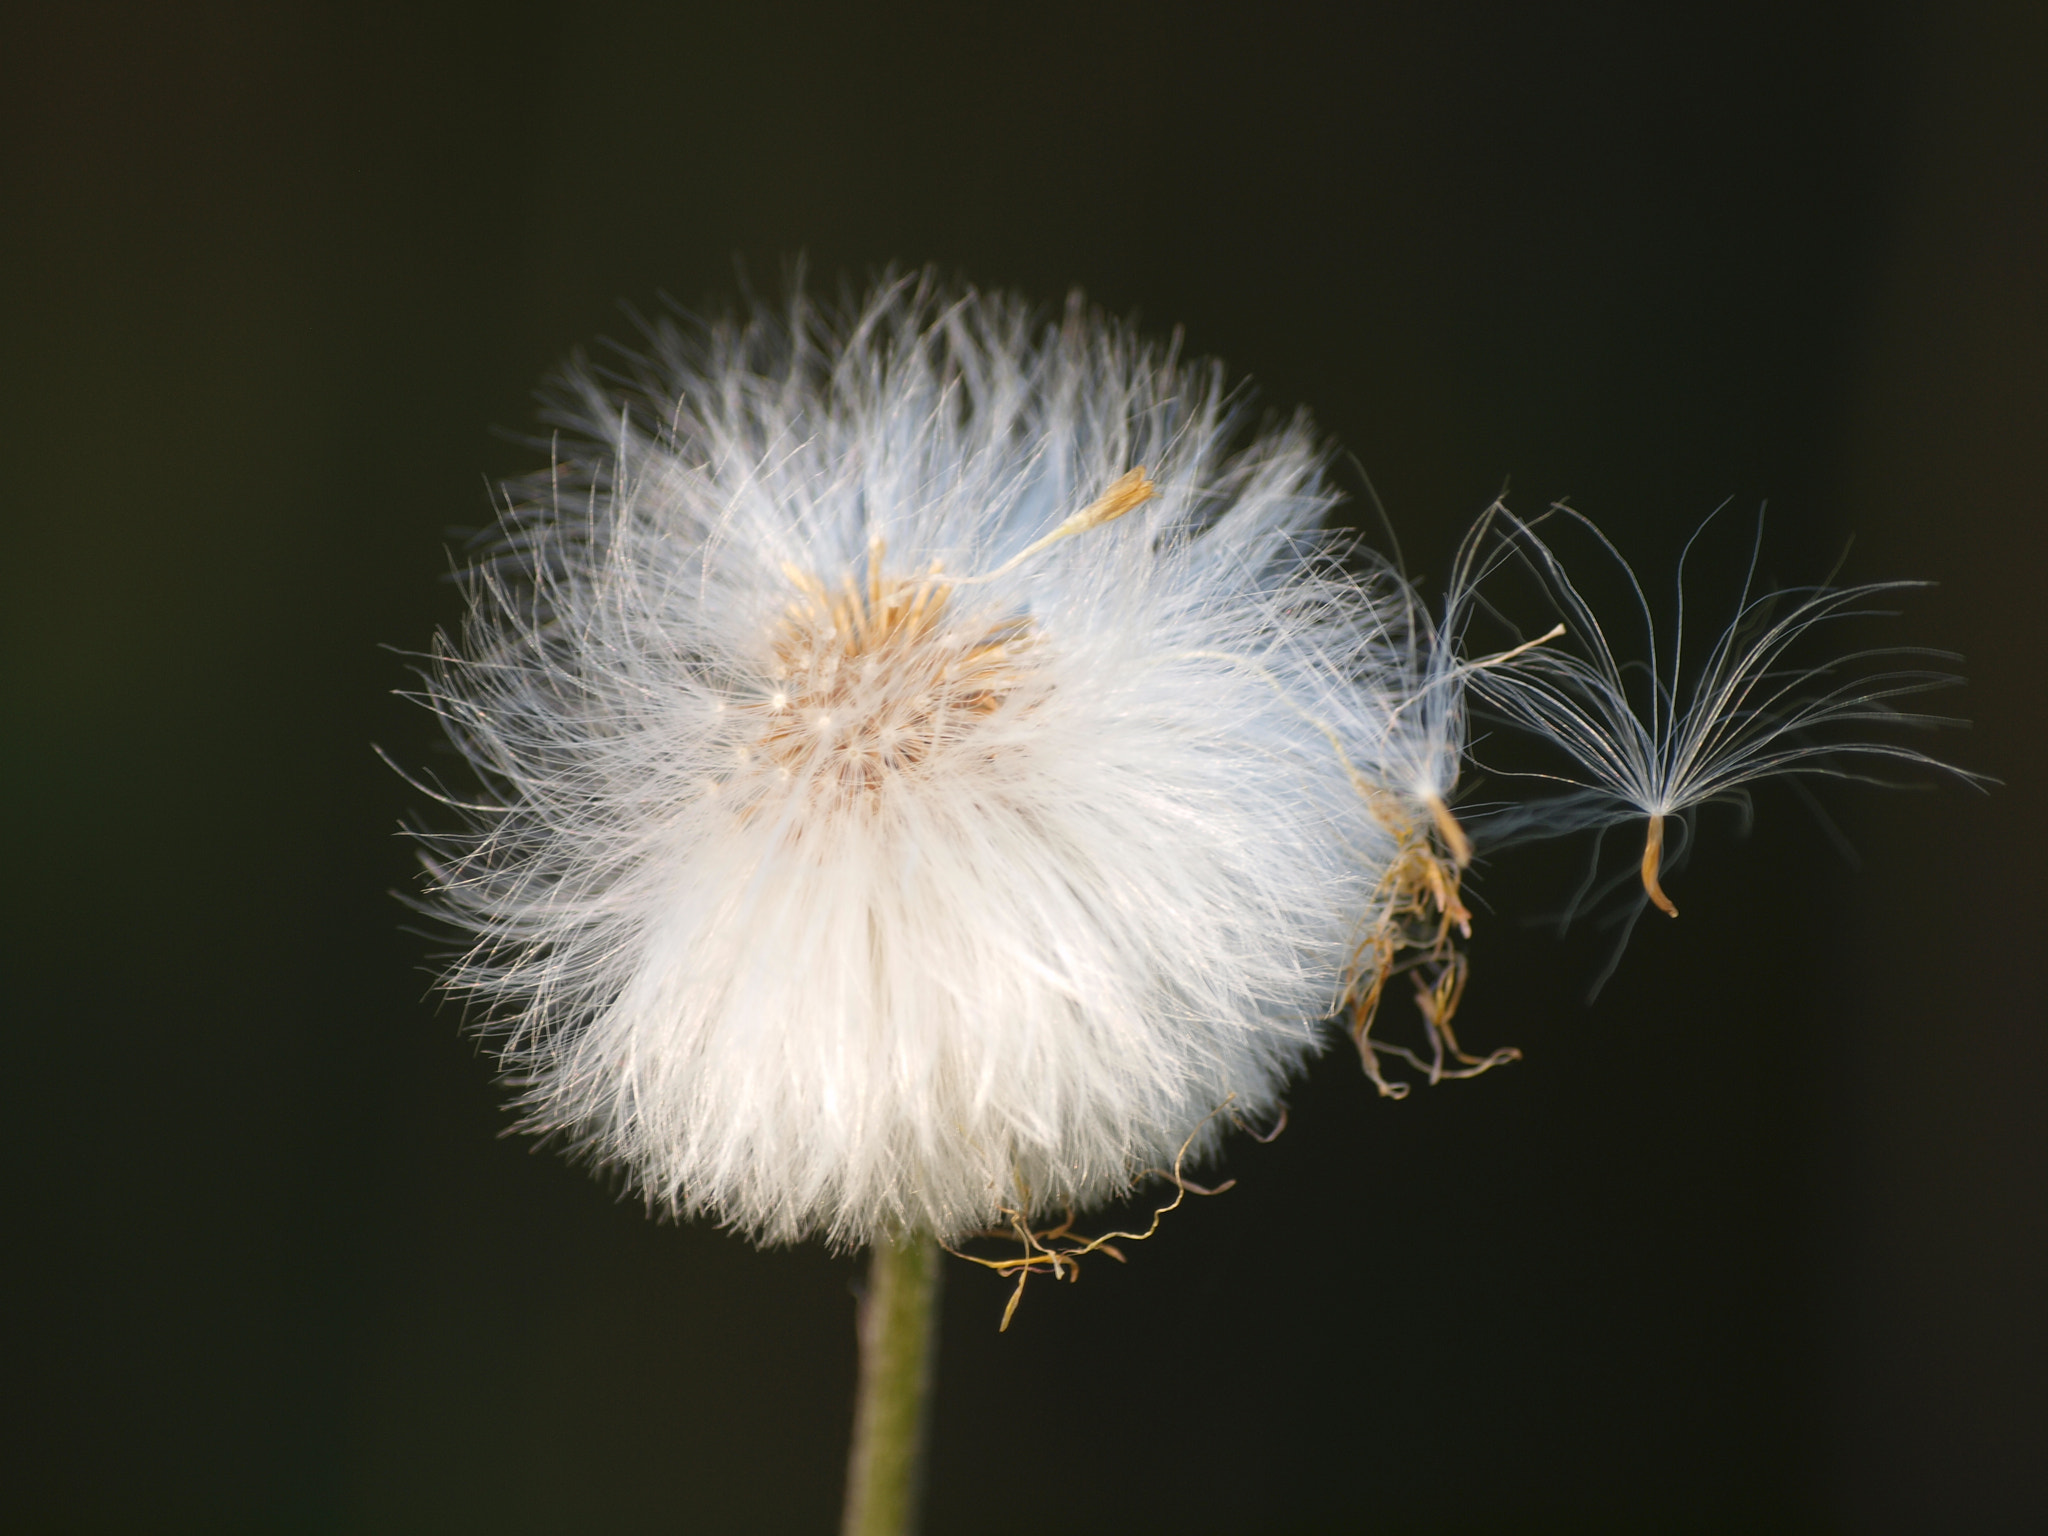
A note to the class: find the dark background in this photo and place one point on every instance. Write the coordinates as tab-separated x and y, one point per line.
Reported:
1753	1243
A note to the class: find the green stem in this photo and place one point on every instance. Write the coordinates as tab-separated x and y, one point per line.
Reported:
896	1332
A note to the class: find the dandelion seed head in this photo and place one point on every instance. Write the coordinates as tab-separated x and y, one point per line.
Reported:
916	799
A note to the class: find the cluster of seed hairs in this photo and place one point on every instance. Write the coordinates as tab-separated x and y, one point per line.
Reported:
1405	767
1419	920
1419	917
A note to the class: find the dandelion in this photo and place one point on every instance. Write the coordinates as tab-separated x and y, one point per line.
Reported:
938	775
871	854
912	803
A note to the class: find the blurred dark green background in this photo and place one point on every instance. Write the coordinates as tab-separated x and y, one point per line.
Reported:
1754	1243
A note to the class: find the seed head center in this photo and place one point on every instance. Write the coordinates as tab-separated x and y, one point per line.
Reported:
875	679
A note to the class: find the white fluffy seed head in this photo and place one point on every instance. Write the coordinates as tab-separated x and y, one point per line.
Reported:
848	873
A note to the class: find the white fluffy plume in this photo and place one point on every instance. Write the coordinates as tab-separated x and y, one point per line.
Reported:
861	860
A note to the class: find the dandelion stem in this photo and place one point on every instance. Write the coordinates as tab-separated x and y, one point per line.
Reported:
897	1317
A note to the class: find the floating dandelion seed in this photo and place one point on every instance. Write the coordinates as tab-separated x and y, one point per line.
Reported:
1651	741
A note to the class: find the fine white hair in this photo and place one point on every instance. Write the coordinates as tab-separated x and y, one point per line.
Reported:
1654	736
844	873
